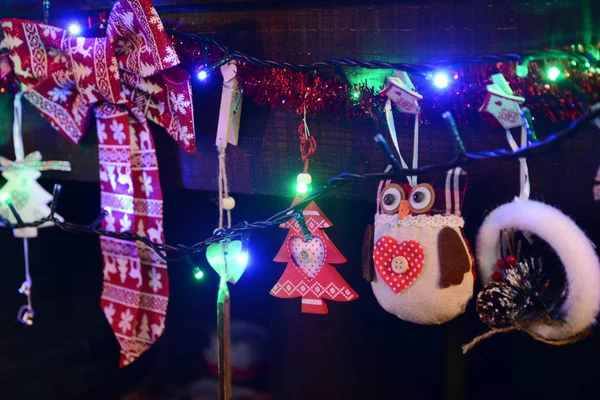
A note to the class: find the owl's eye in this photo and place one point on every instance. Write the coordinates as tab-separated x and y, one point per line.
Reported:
391	196
422	198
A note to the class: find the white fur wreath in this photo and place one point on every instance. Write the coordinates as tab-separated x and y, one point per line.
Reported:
575	250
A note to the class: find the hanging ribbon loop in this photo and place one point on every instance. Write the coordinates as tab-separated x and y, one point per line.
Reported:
389	116
525	185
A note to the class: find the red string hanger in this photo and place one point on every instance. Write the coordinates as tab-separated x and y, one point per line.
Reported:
308	144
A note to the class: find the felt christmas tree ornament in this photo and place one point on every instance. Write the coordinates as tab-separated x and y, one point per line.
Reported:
309	272
307	250
23	199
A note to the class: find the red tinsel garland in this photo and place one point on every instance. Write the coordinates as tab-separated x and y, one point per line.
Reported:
295	91
563	100
555	101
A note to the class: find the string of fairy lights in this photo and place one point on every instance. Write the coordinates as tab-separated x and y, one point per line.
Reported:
438	73
242	229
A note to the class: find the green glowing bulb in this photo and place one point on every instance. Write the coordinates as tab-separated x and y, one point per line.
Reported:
198	274
5	197
587	64
573	63
522	71
355	95
553	73
302	188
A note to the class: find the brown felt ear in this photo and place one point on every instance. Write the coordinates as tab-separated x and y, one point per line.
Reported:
454	258
368	269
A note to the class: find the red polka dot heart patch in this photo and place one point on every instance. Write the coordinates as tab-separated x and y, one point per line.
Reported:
308	256
398	264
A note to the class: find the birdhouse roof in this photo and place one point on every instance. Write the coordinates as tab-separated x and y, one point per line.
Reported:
496	90
397	83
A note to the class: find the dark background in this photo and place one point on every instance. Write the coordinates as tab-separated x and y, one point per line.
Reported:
357	351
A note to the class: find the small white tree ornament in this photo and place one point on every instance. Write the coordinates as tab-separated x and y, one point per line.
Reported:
24	199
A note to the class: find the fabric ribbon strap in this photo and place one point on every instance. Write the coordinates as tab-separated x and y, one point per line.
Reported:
389	116
136	288
127	77
523	170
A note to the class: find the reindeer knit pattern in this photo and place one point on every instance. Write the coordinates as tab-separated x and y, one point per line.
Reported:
135	294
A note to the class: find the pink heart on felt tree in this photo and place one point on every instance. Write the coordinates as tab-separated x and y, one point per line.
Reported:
498	103
398	264
308	256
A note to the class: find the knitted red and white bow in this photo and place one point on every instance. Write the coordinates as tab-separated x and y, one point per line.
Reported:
126	77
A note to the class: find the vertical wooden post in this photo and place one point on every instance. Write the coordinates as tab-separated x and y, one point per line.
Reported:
455	369
224	335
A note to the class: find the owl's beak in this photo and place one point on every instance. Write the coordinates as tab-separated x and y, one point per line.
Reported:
404	209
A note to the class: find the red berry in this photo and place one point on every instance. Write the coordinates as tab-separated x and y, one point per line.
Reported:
511	260
501	263
497	276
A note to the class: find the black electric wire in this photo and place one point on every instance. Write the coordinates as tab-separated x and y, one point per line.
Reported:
241	229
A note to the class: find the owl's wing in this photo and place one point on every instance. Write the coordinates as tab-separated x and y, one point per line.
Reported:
368	268
455	260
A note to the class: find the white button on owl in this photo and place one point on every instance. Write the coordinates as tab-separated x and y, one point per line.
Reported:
422	262
399	265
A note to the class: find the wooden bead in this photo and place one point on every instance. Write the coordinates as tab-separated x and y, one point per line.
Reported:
304	178
228	203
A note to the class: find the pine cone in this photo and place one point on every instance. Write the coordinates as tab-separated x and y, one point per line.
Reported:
498	305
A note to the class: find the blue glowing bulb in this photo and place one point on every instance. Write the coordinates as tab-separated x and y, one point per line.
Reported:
202	75
75	29
441	80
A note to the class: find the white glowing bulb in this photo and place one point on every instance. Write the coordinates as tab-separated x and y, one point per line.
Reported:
242	259
441	80
75	29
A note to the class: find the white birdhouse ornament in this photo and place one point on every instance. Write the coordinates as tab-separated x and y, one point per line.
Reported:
402	92
502	103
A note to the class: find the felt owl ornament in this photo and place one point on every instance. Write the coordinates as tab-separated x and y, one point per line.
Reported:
422	263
